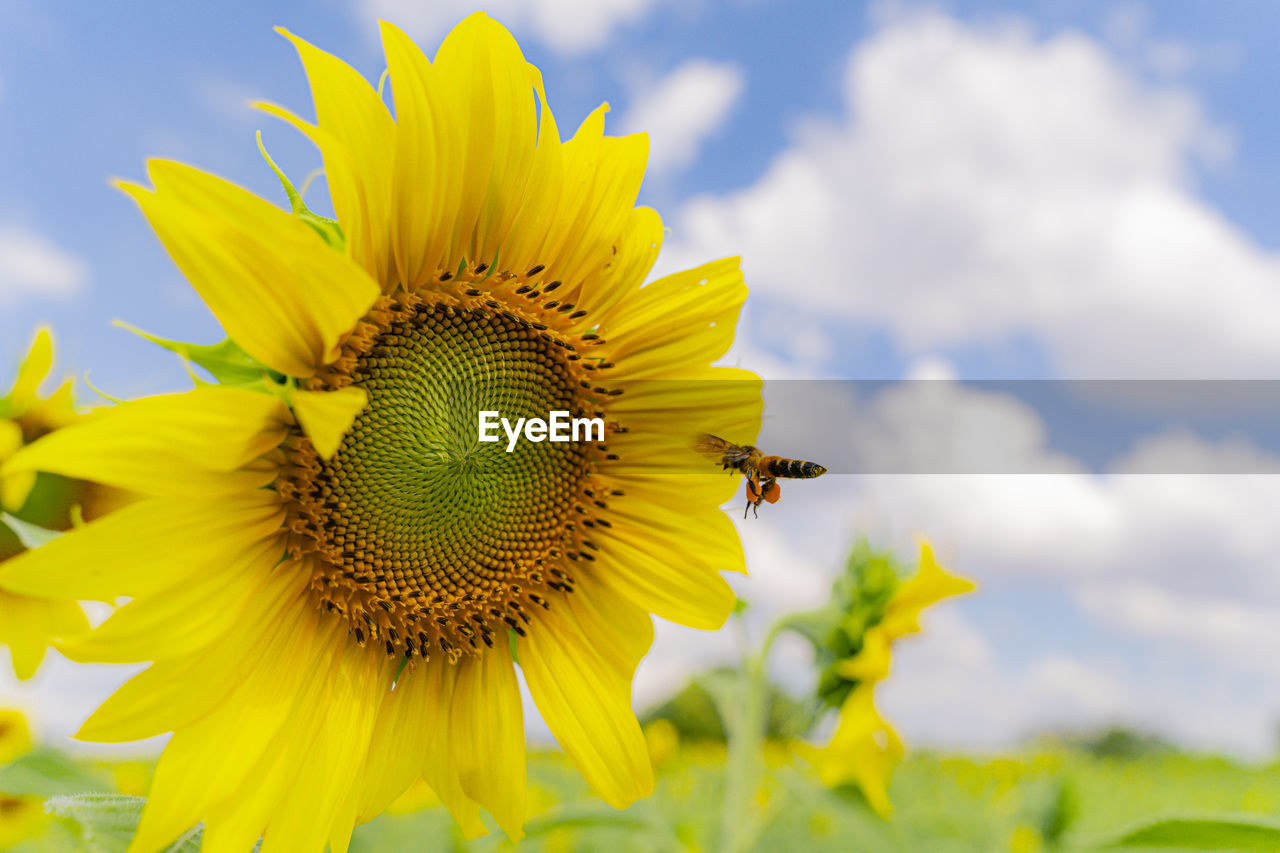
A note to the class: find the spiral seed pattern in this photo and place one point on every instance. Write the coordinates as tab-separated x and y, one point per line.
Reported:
425	538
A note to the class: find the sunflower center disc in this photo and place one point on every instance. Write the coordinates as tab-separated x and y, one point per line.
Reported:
426	535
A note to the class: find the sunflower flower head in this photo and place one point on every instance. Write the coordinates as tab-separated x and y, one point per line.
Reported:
35	506
333	575
872	606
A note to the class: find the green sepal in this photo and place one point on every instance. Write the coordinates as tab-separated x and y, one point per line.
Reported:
30	535
225	361
328	229
514	644
858	600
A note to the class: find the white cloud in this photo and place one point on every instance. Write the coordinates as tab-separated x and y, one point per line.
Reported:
938	697
31	265
1213	626
566	26
984	185
682	110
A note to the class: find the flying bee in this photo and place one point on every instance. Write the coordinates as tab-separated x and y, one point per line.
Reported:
762	472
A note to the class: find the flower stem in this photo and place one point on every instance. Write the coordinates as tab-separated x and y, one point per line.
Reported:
744	722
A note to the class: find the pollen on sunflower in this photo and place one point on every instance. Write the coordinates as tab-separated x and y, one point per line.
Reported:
364	565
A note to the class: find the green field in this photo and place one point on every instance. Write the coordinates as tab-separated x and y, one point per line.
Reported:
1048	798
1045	800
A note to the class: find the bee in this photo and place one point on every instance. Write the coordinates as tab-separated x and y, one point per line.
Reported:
762	472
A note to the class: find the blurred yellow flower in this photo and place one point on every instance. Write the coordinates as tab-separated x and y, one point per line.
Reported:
1025	839
663	740
930	584
28	624
864	750
20	817
329	570
15	735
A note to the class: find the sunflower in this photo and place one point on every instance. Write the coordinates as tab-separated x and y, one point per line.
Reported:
35	504
864	749
333	577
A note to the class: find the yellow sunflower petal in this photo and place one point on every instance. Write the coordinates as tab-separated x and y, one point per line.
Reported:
621	630
29	625
588	709
684	319
175	444
930	584
33	369
399	743
526	245
325	416
425	187
333	747
664	581
707	539
143	547
271	281
635	252
488	734
190	616
227	747
436	690
357	140
606	172
480	68
579	206
174	695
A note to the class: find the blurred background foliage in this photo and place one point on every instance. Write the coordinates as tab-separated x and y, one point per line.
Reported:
1059	793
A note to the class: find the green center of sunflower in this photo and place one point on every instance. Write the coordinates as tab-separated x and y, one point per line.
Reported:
426	537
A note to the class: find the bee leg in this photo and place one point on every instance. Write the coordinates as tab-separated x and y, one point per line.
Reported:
753	496
755	508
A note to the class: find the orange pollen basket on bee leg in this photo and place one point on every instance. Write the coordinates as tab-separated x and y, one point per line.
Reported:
427	540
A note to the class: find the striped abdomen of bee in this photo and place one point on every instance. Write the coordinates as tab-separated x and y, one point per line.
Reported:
790	469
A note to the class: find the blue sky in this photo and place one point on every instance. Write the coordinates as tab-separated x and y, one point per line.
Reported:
989	190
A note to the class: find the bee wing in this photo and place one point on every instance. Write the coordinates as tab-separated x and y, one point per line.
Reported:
711	444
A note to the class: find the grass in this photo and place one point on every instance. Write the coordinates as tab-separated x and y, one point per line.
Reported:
1049	799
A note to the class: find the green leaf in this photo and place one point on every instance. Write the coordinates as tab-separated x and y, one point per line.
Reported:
30	535
48	773
226	361
582	816
1244	833
107	822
